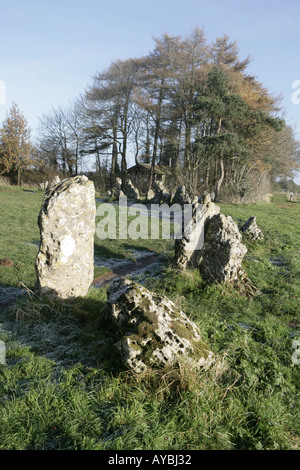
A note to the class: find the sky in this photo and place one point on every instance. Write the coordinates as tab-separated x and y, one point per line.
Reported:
50	50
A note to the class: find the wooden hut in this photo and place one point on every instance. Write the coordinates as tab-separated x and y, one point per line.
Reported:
140	174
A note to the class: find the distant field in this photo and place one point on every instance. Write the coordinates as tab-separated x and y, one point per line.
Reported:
64	387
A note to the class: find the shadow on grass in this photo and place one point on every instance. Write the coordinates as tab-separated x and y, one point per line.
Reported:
68	332
101	250
108	252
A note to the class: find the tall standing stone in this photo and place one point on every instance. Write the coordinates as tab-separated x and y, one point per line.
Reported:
223	250
65	261
130	190
117	189
188	248
181	196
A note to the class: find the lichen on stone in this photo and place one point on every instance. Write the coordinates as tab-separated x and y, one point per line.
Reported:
152	332
65	261
223	250
251	229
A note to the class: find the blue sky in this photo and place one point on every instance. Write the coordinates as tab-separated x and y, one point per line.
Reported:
49	50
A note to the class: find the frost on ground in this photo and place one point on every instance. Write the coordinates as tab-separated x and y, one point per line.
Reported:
140	266
58	339
113	263
59	336
9	295
141	275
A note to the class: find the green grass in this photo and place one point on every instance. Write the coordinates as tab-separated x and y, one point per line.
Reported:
19	210
64	387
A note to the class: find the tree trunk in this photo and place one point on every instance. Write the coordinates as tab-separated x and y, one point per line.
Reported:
147	149
220	180
207	175
19	175
123	161
151	177
114	158
187	152
156	135
76	158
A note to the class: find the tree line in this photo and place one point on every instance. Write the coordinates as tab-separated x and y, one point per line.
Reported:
189	105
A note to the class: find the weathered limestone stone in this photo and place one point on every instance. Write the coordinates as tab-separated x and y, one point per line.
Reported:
205	198
165	196
130	190
153	332
181	196
158	189
44	185
55	181
150	194
291	197
188	249
117	189
159	195
65	261
251	229
223	251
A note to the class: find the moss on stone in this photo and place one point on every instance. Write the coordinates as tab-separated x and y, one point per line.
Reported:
155	330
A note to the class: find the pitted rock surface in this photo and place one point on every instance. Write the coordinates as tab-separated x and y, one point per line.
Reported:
251	229
188	249
182	196
130	190
153	332
223	250
65	261
116	191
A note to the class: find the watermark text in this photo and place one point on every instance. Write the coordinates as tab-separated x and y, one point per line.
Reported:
296	94
138	221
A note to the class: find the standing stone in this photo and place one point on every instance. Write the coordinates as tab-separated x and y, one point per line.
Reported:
162	195
223	251
44	185
152	332
159	195
251	229
181	196
117	189
65	261
158	191
205	198
150	195
166	197
55	181
131	191
188	249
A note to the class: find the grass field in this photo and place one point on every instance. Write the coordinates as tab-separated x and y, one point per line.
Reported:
64	387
